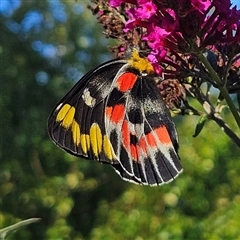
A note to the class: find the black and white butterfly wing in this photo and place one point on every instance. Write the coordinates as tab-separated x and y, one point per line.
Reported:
115	115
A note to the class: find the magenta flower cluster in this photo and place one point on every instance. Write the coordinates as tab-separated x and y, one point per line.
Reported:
177	24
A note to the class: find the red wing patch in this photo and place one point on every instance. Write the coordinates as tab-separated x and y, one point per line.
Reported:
115	113
126	81
135	152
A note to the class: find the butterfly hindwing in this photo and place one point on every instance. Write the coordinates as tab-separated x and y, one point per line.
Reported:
139	122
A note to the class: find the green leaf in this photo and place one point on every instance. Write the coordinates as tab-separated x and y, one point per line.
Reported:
5	232
201	121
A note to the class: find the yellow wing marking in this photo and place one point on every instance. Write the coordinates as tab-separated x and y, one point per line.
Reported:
85	142
66	115
96	139
76	134
108	149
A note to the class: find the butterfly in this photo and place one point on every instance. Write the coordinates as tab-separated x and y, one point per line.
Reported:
115	115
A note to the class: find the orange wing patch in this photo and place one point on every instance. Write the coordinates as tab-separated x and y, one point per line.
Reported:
163	135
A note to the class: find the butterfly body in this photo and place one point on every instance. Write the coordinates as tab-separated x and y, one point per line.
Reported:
115	114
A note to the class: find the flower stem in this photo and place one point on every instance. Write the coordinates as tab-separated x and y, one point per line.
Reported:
221	87
226	129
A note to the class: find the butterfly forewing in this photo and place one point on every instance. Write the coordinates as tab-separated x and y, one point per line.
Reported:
77	123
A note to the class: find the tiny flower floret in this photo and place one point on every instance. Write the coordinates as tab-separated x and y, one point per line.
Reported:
146	10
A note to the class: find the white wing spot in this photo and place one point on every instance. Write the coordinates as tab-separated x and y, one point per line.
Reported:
88	99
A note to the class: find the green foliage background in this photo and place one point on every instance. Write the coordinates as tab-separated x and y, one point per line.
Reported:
79	199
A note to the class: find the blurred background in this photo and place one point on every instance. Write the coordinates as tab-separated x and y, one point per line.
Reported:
46	46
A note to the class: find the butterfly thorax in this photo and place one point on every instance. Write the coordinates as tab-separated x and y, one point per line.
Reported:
140	63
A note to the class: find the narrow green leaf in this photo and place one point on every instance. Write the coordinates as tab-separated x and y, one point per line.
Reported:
5	232
201	121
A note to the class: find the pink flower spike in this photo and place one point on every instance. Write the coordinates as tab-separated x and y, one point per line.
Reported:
237	63
201	5
154	62
155	37
142	1
115	3
130	24
157	69
101	12
155	57
146	10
